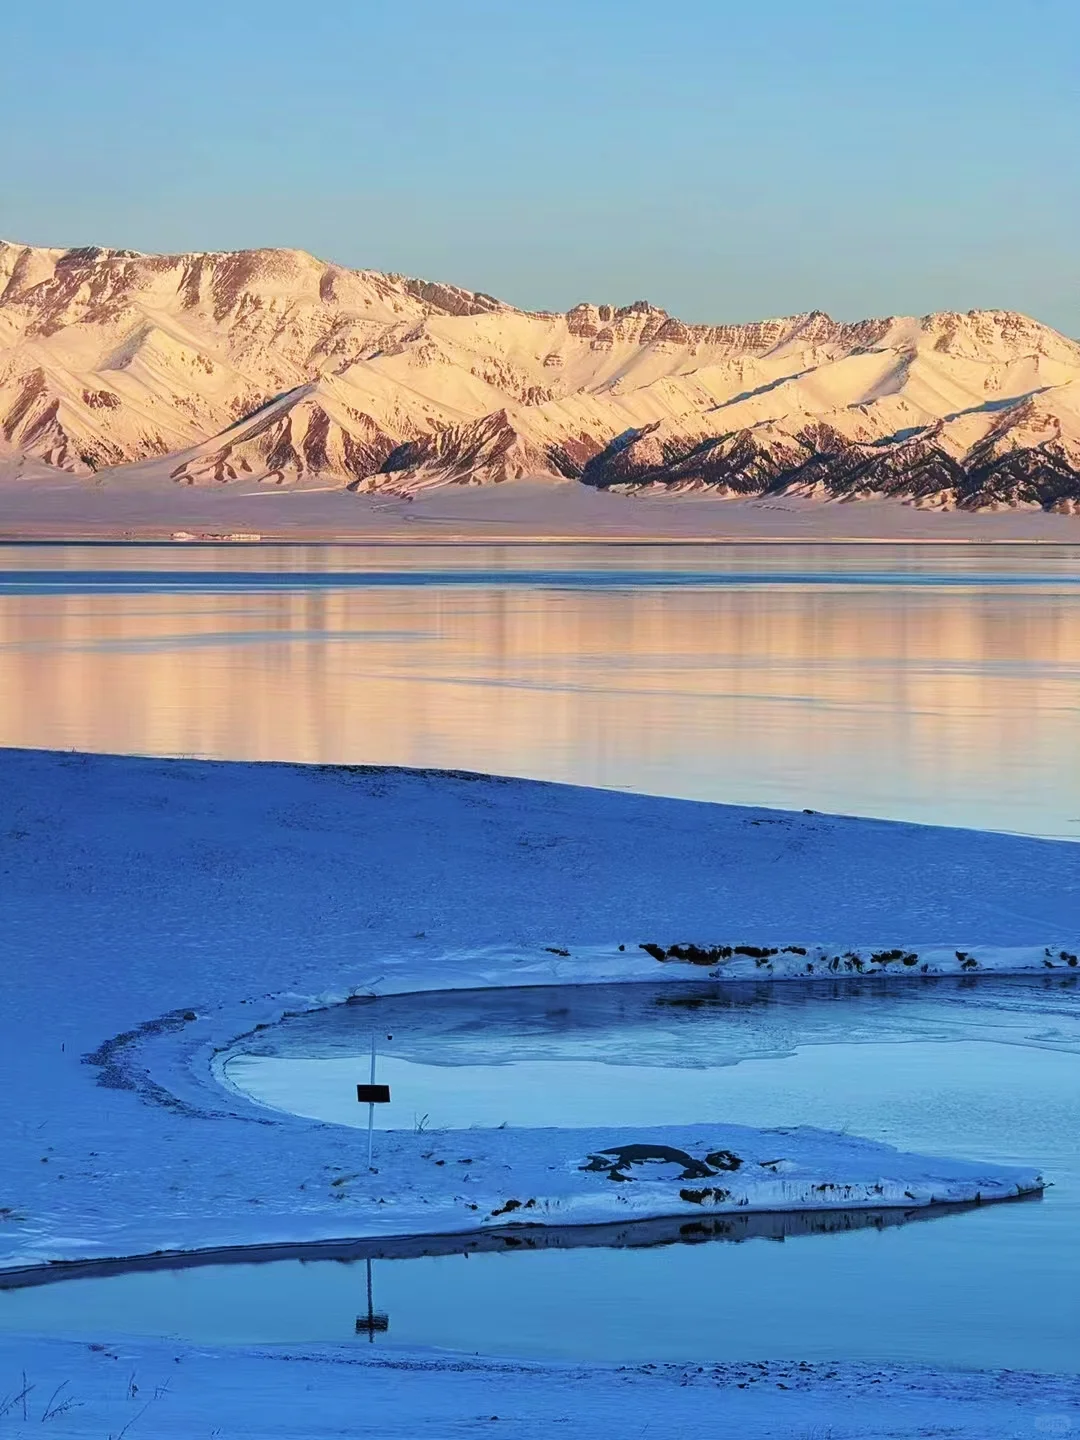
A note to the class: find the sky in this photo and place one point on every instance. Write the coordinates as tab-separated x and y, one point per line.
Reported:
726	161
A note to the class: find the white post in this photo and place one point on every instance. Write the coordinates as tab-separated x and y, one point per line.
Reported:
371	1106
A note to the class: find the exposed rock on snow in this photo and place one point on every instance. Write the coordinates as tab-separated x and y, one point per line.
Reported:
826	962
273	366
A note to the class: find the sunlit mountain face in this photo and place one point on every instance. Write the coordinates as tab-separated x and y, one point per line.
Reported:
273	367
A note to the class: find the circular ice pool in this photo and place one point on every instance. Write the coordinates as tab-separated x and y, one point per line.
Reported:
976	1070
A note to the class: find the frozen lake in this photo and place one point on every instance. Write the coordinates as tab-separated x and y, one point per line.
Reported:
981	1069
937	683
934	683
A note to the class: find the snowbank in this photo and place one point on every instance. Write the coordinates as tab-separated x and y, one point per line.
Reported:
167	1391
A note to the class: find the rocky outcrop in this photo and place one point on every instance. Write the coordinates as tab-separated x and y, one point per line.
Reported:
819	462
292	438
485	452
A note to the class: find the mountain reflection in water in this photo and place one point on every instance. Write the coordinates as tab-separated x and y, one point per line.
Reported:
939	684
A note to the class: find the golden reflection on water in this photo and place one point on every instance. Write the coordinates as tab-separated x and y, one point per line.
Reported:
954	705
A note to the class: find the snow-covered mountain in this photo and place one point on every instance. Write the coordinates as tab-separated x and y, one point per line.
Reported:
273	366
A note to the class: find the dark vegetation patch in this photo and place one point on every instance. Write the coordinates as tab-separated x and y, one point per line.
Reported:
699	1197
617	1161
693	954
723	1160
717	954
847	961
511	1205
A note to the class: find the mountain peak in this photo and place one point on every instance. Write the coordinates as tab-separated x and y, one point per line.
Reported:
273	366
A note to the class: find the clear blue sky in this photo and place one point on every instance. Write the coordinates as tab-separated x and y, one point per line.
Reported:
727	161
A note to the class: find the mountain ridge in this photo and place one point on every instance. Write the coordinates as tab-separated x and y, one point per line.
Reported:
273	367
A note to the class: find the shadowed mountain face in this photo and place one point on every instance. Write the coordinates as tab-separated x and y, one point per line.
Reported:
271	366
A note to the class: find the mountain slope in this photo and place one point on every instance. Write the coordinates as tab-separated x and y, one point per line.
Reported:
271	366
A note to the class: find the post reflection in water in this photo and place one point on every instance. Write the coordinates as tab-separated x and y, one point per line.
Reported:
373	1322
954	704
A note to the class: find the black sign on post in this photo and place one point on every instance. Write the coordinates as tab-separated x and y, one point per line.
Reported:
372	1095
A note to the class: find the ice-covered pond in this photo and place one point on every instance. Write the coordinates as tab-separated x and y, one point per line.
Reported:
985	1068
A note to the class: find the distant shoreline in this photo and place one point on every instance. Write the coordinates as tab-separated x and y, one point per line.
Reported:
46	511
223	542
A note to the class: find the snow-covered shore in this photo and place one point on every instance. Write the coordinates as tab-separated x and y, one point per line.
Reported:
167	1390
155	910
